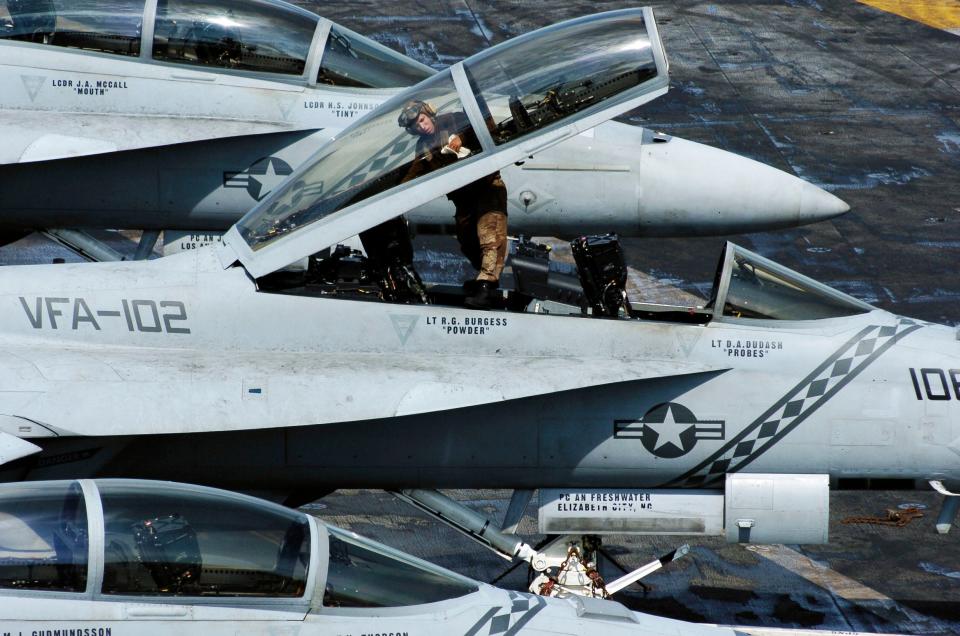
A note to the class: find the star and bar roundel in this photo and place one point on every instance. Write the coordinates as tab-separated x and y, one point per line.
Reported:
669	430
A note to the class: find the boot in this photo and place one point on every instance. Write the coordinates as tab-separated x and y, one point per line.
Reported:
484	297
471	286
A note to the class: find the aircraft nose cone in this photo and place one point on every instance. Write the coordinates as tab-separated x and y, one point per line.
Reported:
816	204
720	192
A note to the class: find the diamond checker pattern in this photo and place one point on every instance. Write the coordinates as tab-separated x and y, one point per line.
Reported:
804	398
522	609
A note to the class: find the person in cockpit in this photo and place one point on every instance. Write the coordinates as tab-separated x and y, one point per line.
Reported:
481	206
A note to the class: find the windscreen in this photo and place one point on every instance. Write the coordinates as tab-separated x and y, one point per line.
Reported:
371	156
363	573
565	70
163	540
357	62
43	537
248	35
108	26
760	291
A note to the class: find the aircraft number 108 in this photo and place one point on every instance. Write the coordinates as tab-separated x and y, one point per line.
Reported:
936	384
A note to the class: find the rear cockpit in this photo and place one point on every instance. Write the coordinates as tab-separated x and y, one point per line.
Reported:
242	36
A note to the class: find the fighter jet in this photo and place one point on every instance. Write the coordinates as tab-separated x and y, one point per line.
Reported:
225	366
151	116
95	558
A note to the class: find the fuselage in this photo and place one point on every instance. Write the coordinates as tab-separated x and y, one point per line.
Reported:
205	378
139	143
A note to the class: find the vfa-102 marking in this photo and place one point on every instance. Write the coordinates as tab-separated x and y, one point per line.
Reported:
349	372
139	315
150	124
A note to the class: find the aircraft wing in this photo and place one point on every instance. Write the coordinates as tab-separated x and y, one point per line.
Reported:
53	387
31	136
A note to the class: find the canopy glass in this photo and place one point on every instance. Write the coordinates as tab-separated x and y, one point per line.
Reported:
43	537
352	60
369	158
751	286
546	80
363	573
108	26
247	35
178	541
565	70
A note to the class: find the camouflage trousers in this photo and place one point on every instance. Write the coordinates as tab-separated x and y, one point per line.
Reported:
483	240
482	225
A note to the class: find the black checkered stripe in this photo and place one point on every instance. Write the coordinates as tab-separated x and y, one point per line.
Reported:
387	159
510	619
798	404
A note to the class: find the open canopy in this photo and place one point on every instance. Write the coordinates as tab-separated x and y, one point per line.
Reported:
518	98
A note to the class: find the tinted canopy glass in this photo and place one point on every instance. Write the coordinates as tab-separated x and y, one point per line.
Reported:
170	540
110	26
762	289
249	35
565	70
523	86
363	573
353	60
370	157
43	537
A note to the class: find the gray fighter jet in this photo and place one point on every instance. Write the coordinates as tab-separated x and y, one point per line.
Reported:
227	366
182	116
97	558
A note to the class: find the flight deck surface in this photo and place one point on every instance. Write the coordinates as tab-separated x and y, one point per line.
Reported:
859	101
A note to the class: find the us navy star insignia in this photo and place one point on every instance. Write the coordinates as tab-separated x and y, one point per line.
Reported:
260	178
669	430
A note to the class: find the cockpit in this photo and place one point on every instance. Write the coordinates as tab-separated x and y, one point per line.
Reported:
512	99
112	539
245	36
